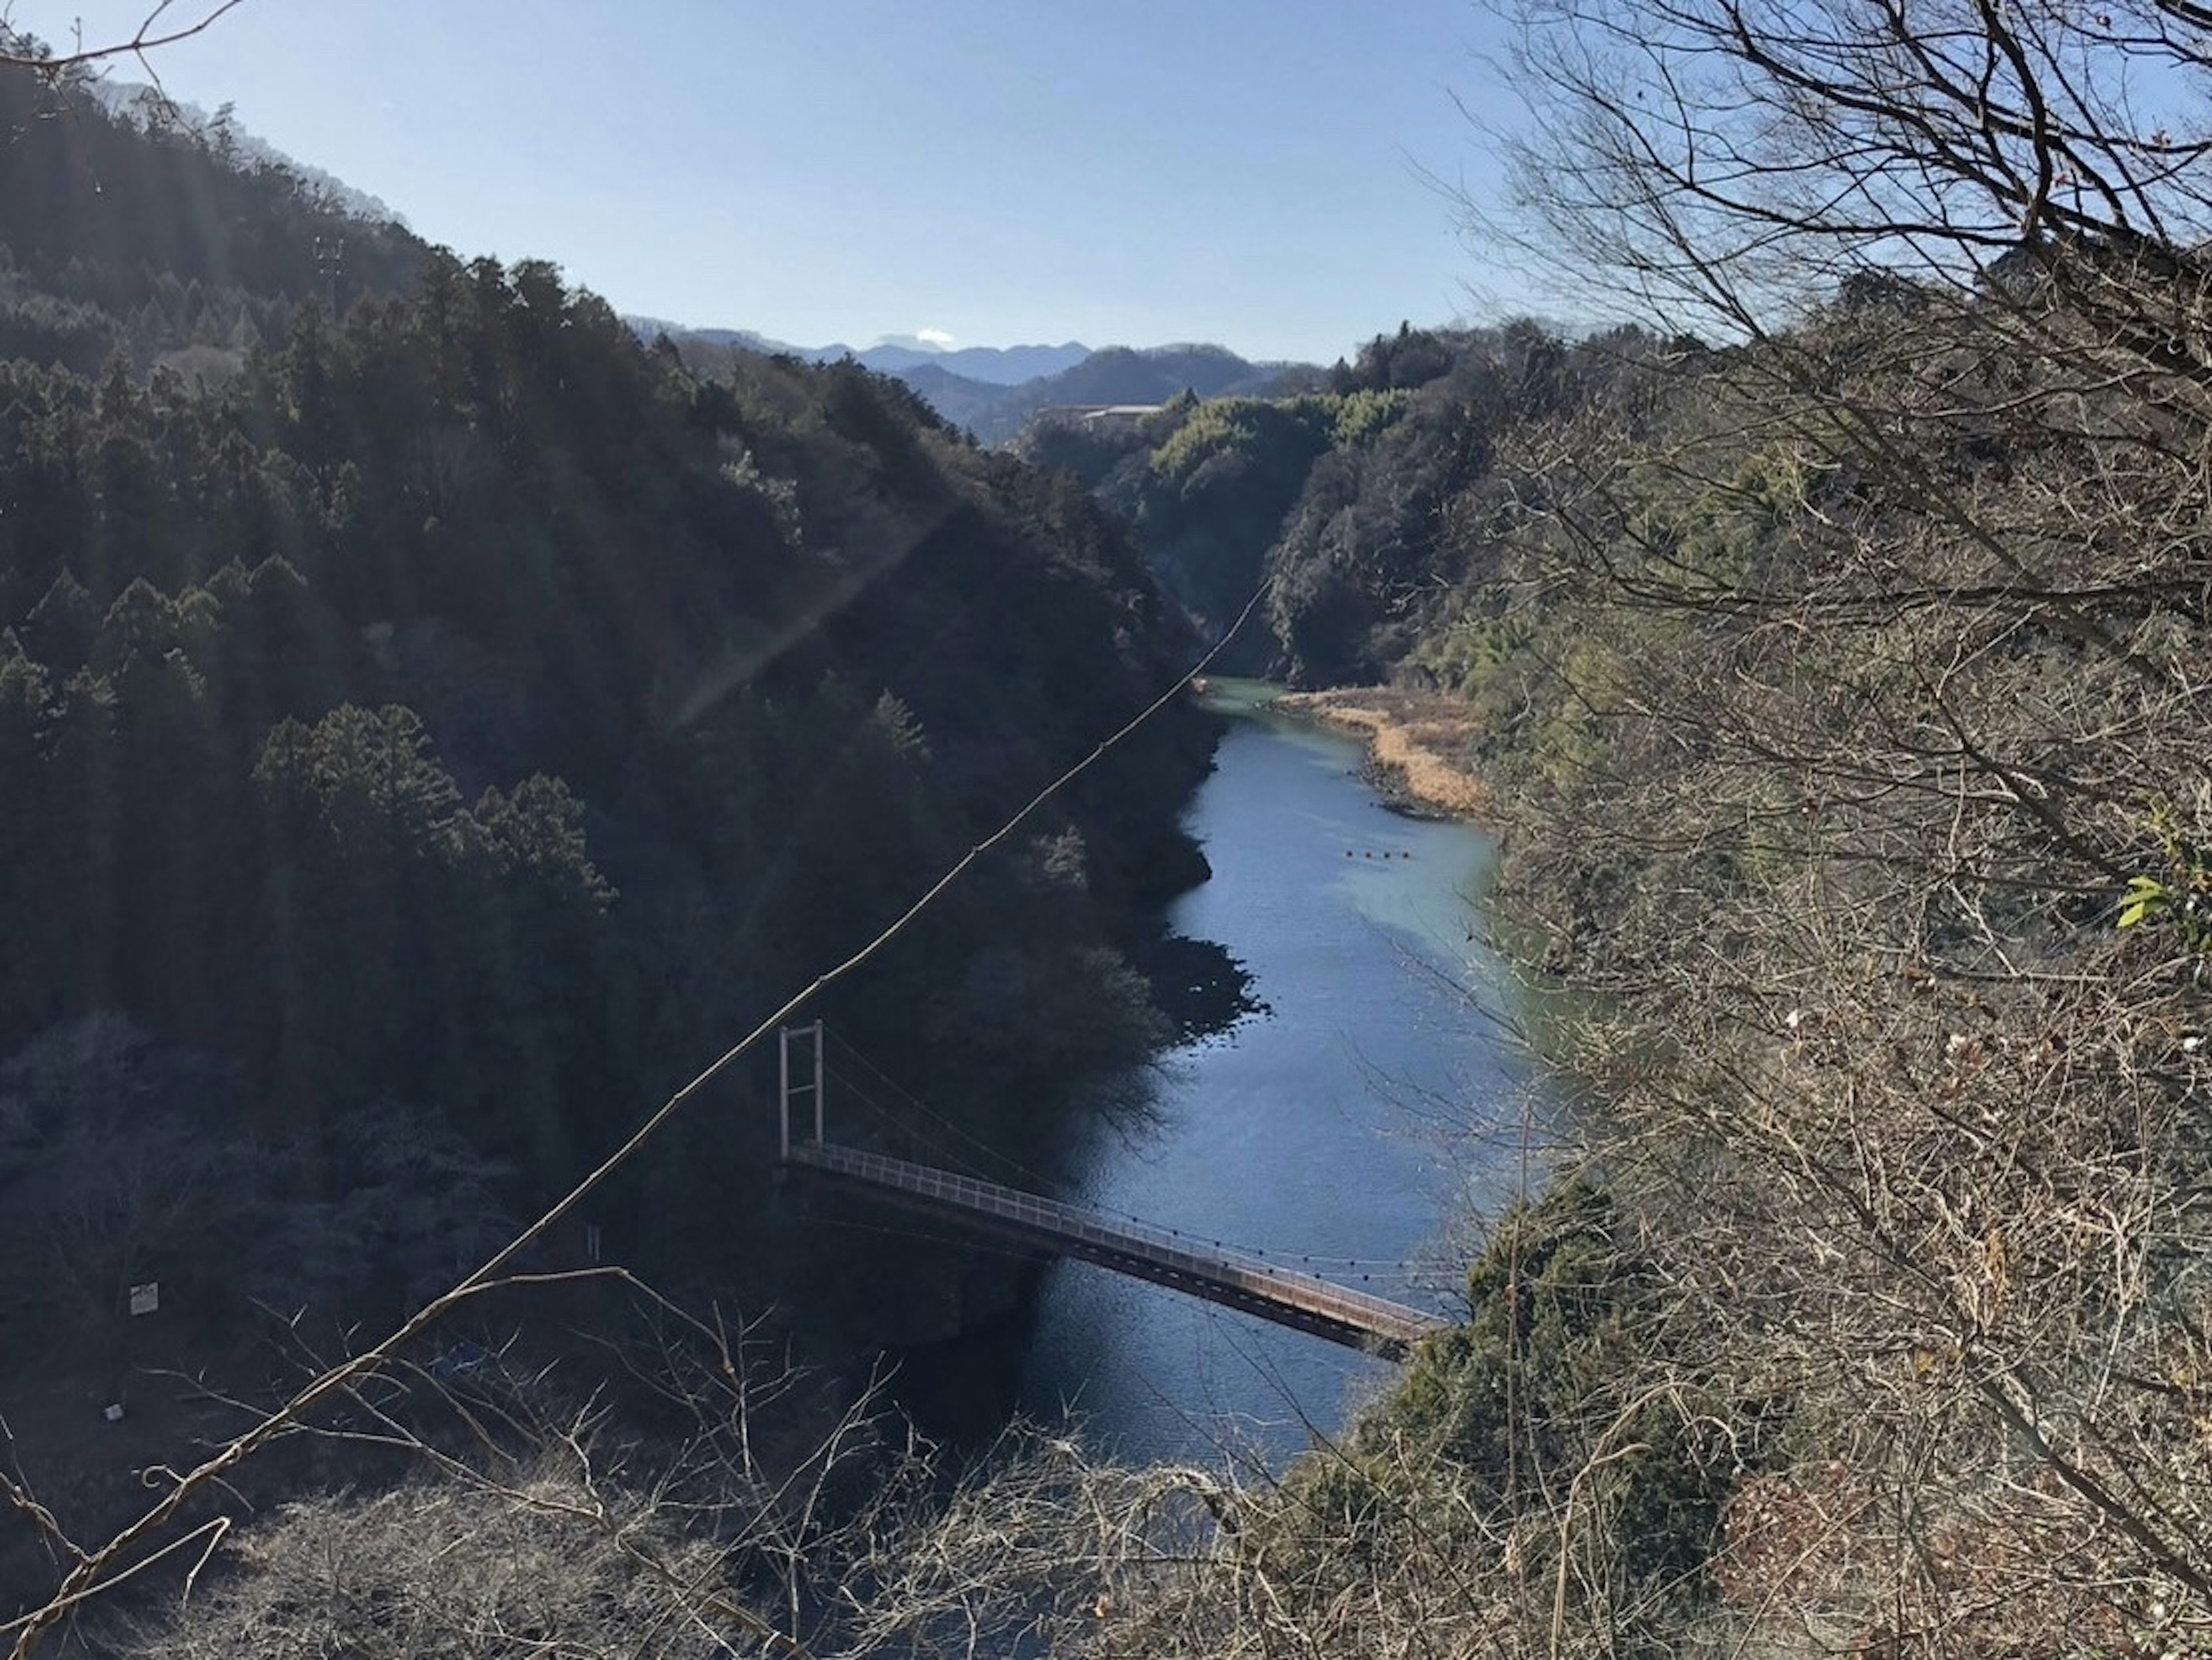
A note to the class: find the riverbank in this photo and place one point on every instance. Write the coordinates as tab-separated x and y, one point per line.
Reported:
1417	743
1317	1135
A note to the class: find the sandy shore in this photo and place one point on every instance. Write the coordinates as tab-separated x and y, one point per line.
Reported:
1417	740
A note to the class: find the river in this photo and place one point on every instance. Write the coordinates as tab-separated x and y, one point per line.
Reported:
1344	1131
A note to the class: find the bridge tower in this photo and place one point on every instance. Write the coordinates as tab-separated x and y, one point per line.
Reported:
787	1038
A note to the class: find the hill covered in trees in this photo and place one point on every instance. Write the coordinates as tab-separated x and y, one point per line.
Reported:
1123	374
423	747
974	366
127	229
1335	498
995	394
1836	639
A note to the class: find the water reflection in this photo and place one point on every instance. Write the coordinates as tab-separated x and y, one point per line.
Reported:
1328	1128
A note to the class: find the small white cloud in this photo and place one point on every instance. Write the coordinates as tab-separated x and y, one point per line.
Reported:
936	338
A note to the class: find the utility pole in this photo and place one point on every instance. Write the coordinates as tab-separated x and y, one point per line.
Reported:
330	260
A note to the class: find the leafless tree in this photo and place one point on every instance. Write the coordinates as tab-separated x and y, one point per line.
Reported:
1866	705
166	24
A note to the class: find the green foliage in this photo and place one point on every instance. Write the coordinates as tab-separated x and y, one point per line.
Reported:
404	1205
1242	431
467	715
1537	1385
2180	896
1395	363
1475	653
1338	500
780	495
1358	418
45	330
1209	499
1705	537
536	831
365	779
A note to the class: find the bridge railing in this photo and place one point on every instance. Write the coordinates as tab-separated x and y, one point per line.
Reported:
1162	1246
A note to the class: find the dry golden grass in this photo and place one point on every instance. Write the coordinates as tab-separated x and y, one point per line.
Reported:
1420	739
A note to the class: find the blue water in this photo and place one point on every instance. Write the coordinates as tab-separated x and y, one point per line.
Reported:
1351	1131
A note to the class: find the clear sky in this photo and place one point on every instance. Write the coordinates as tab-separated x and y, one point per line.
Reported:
1113	171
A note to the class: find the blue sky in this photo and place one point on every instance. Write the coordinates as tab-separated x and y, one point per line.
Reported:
1115	171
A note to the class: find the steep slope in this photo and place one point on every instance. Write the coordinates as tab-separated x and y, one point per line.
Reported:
1338	498
447	727
116	232
772	650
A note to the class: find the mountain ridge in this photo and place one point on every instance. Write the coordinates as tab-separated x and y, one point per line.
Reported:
998	366
996	411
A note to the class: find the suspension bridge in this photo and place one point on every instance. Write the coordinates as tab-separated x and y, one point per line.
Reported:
1166	1256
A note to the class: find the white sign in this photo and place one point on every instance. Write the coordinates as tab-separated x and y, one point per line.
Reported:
146	1298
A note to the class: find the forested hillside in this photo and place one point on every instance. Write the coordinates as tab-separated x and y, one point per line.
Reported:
395	743
125	230
996	405
1836	636
1840	680
1121	374
423	749
1339	500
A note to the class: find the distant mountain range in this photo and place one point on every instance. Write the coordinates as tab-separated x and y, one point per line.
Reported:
994	390
1123	374
995	366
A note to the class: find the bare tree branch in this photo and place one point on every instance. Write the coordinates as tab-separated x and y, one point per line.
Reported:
157	30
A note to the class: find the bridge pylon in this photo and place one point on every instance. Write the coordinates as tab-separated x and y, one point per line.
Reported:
808	1081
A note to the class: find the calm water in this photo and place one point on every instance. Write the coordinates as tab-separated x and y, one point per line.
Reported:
1342	1132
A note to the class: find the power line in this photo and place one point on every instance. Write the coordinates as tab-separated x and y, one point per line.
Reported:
85	1577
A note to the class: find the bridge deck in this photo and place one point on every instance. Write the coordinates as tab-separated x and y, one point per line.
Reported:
1280	1294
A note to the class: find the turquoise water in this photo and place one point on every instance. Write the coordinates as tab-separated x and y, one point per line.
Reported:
1347	1131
